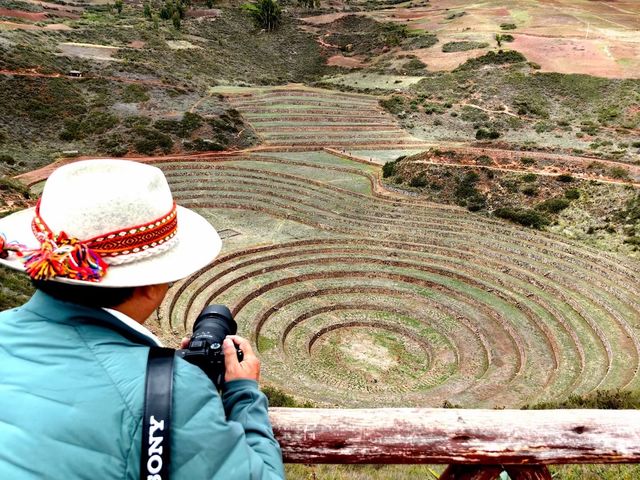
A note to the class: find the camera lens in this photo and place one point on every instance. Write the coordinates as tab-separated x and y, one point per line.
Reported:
215	322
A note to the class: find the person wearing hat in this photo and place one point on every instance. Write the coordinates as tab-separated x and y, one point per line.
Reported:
102	246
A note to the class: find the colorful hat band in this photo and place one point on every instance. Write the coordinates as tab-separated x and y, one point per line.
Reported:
62	256
125	241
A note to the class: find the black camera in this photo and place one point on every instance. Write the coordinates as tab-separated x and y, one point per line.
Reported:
211	327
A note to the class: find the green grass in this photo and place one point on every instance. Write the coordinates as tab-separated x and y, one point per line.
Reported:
15	288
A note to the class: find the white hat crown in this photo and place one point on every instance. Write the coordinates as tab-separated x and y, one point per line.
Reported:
87	199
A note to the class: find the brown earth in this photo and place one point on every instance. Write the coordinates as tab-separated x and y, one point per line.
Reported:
31	16
346	62
594	38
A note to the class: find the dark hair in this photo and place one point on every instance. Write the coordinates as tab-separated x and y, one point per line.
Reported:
87	295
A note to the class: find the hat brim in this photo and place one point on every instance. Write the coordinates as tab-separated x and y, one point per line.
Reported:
198	245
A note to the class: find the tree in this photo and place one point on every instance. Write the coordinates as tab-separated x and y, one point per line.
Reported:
119	4
176	19
266	14
499	39
209	3
147	11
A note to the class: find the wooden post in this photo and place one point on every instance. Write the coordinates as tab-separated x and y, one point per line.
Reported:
471	472
491	472
538	472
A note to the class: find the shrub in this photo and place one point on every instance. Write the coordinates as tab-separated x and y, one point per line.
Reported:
476	203
529	104
608	114
553	205
529	177
7	159
148	140
619	173
418	182
484	134
414	66
414	42
463	46
523	216
430	108
544	126
530	190
135	93
394	105
467	194
572	194
635	241
527	161
484	160
508	26
90	124
182	128
492	58
203	145
389	169
114	145
565	178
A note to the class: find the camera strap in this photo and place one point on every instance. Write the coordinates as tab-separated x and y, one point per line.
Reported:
156	422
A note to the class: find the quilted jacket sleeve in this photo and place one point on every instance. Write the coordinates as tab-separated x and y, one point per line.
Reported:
208	443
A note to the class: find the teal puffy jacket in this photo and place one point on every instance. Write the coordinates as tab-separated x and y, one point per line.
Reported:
71	395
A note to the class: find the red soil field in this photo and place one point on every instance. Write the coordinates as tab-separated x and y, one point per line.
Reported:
31	16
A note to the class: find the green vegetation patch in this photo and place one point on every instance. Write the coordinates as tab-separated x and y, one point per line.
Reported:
600	399
501	57
553	205
425	40
395	104
278	398
523	216
15	288
93	123
463	46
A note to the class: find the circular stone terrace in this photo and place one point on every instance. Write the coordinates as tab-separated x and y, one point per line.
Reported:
358	298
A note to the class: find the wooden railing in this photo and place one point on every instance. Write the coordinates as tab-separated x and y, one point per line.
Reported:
477	444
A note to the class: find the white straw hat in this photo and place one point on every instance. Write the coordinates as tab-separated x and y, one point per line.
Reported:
123	214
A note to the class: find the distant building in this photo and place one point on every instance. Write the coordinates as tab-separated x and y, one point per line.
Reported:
75	73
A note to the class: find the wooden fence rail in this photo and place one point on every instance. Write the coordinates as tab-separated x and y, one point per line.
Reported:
477	444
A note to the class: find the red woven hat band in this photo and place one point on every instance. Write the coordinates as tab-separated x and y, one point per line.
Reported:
62	256
128	240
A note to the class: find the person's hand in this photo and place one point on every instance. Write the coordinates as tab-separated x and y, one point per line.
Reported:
248	369
184	343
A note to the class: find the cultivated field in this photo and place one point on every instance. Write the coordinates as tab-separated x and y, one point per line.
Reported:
305	117
356	297
567	36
